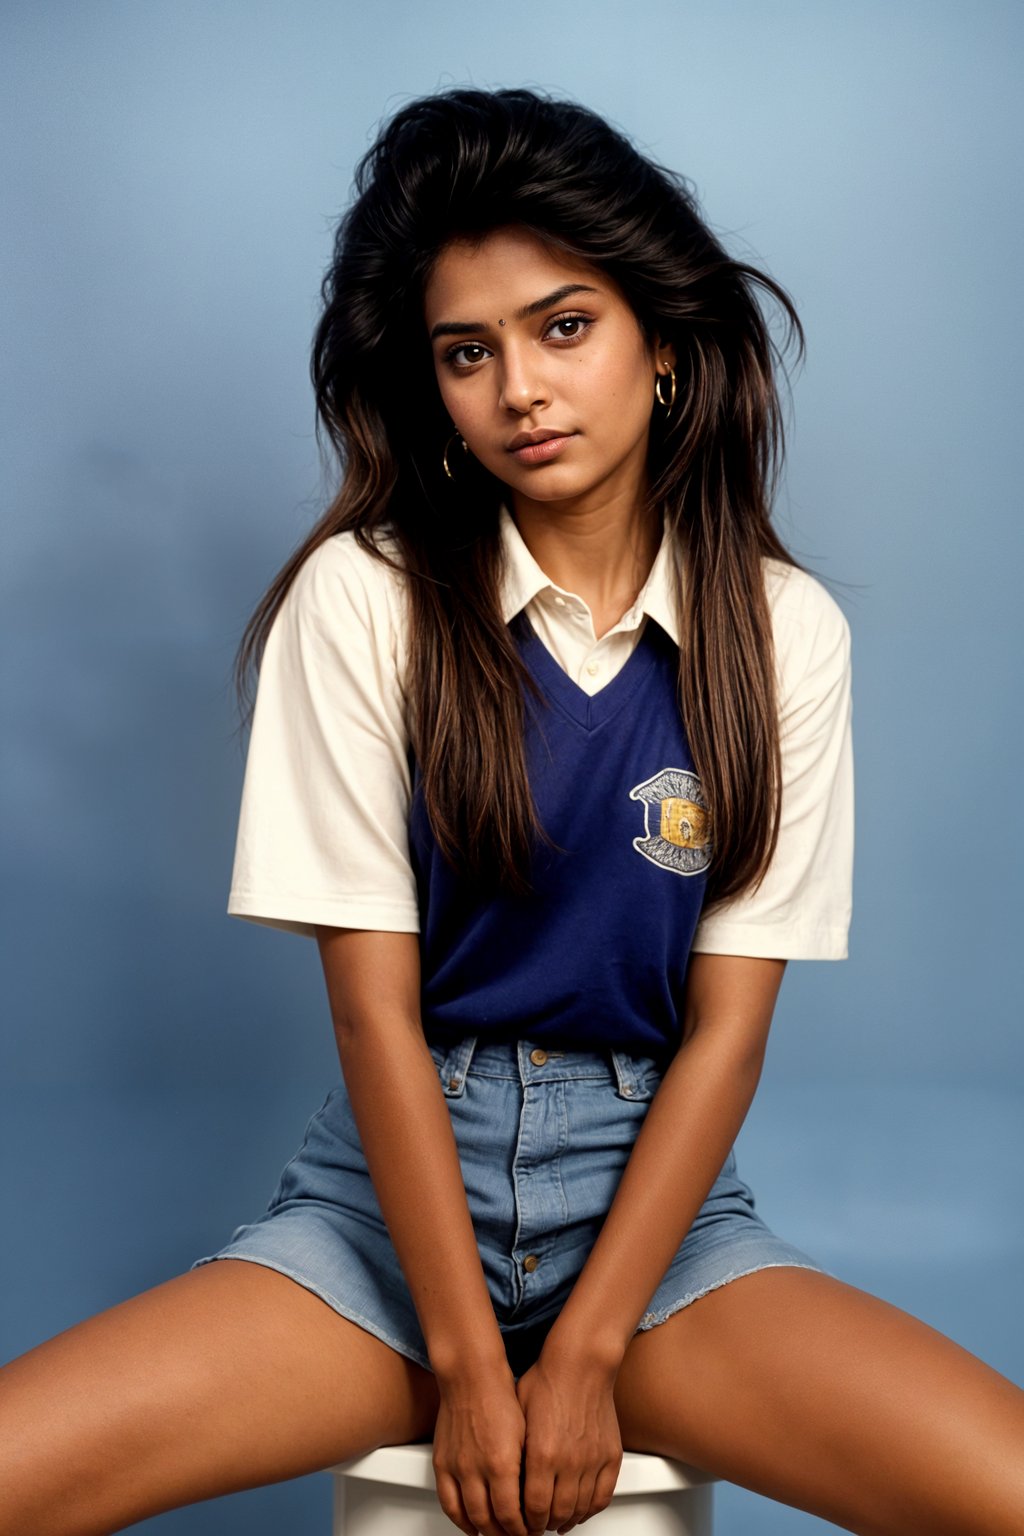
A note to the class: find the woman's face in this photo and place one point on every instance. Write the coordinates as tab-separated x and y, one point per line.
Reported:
515	353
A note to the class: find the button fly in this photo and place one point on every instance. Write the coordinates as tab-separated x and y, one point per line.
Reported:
538	1057
530	1262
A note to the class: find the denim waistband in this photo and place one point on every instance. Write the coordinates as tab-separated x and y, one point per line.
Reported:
634	1076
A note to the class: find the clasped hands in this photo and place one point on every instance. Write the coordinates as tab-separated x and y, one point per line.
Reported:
520	1458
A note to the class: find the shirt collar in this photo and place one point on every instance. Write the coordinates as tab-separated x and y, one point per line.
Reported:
524	579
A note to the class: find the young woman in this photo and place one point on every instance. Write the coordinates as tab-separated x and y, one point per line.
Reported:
551	753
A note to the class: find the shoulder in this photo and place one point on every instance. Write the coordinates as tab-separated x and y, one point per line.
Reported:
342	568
342	588
810	629
800	601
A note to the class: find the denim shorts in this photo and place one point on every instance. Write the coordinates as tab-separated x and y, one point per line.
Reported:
543	1138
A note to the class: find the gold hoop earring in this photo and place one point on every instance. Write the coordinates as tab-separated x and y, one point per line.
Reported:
668	404
465	445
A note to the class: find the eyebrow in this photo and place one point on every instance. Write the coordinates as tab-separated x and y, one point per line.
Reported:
464	327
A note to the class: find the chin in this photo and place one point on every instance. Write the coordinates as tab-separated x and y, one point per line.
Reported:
553	482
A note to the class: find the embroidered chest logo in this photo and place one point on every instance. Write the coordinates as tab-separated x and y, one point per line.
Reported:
676	821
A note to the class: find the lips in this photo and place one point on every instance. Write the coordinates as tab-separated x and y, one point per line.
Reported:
527	439
539	447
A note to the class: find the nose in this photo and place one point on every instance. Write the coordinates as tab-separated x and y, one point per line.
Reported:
522	380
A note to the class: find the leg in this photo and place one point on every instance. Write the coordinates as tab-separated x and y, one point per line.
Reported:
822	1396
222	1378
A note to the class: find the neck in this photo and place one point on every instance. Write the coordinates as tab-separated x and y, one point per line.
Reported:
602	553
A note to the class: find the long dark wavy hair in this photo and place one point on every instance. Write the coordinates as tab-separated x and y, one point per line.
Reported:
458	164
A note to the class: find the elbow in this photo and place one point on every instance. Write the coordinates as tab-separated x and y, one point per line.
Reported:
374	1026
744	1045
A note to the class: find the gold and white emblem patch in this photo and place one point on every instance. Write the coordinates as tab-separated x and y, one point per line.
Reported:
676	821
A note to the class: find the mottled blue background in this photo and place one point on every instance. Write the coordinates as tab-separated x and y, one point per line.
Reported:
172	175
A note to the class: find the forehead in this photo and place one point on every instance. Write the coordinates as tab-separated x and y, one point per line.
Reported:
506	268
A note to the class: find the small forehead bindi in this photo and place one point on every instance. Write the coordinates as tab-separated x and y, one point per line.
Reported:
534	307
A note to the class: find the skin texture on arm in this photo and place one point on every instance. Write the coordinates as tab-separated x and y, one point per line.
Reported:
692	1122
373	984
573	1447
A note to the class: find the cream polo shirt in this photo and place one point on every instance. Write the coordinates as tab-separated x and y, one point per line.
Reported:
323	826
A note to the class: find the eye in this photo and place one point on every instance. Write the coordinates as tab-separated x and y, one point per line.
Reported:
576	319
572	319
464	346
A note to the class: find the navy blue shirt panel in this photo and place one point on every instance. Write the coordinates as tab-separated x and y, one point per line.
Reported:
596	957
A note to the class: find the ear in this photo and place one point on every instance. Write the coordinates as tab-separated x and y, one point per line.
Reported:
664	352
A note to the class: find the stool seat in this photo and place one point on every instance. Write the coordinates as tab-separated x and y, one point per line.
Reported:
392	1492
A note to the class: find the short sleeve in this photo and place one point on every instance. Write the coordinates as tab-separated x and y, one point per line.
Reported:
323	825
802	909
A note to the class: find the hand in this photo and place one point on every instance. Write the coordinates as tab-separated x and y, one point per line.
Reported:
478	1450
573	1449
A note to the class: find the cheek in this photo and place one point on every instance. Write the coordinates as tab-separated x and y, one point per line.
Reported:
622	396
471	420
620	380
462	405
443	390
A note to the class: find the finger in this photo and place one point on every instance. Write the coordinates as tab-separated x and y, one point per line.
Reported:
604	1487
586	1495
479	1508
538	1487
565	1501
449	1496
504	1495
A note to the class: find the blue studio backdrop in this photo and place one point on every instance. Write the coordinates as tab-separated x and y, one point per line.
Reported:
172	174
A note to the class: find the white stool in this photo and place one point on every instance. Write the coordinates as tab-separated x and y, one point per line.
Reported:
392	1492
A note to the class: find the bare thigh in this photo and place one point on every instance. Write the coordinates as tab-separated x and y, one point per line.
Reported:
820	1395
225	1377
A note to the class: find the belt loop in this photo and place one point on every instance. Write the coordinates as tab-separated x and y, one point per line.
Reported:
456	1065
629	1084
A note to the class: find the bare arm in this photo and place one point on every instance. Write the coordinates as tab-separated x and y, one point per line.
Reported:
691	1124
373	984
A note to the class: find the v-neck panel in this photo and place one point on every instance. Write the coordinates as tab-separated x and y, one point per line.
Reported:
588	710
